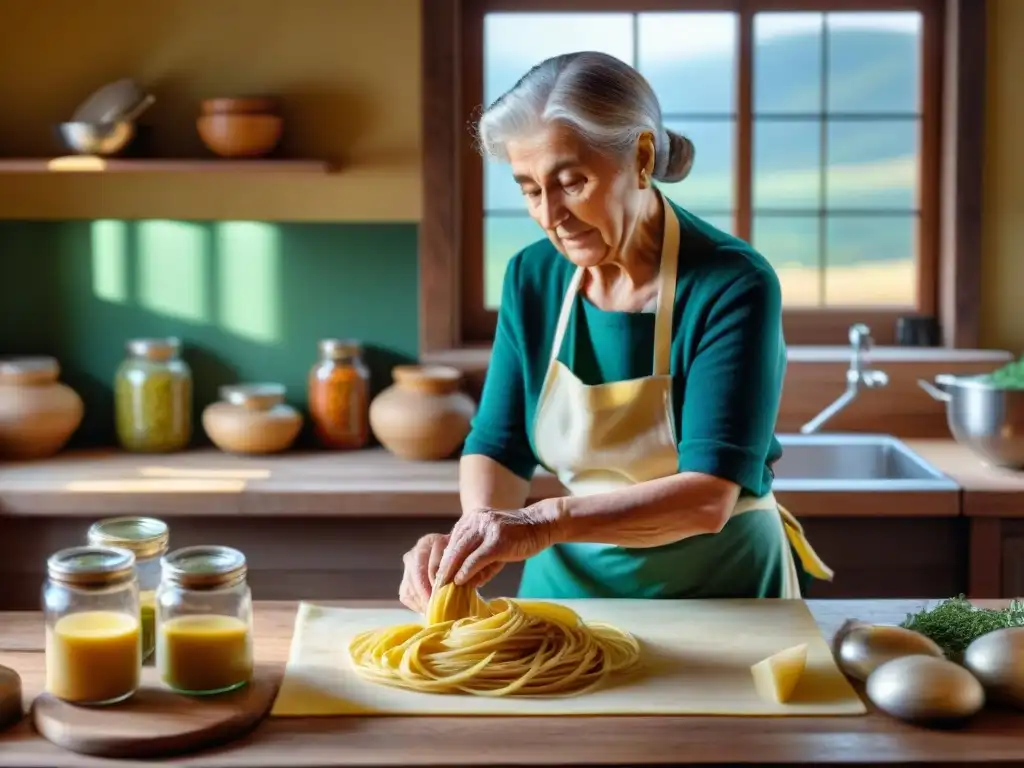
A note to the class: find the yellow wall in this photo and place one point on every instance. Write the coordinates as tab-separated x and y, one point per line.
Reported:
1003	256
348	71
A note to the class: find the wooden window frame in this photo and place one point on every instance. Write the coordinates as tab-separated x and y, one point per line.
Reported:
949	244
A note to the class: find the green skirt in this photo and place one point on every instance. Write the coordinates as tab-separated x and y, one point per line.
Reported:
744	559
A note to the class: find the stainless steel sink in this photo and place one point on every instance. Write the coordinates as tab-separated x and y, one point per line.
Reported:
844	461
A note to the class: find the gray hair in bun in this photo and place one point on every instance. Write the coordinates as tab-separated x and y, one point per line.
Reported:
607	102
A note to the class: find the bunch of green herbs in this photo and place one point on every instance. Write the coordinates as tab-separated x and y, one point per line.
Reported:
1010	376
954	624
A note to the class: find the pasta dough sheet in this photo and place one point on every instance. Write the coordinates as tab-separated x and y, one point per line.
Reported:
696	660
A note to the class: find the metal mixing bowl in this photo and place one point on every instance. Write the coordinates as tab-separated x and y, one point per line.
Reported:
95	138
987	419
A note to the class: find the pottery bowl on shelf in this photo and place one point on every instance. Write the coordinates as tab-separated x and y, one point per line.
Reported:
252	105
252	419
240	135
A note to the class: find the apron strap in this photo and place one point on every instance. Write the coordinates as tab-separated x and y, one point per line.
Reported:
563	316
667	273
810	560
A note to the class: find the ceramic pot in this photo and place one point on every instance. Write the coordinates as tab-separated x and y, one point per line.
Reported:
423	415
38	414
252	419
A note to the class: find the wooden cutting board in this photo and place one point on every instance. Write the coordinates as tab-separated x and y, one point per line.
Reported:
156	722
697	656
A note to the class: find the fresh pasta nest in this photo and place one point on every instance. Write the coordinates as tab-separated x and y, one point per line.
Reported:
499	648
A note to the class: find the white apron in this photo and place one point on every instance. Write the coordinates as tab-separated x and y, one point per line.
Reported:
598	438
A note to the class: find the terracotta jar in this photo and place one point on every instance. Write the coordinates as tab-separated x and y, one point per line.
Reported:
423	416
252	418
38	414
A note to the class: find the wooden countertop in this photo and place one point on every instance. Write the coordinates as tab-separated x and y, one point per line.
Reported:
990	492
995	736
208	482
363	483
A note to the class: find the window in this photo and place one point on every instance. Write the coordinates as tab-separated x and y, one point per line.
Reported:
817	130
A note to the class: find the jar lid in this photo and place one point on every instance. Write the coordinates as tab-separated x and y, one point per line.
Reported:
155	349
27	370
206	566
338	349
436	379
257	397
145	536
91	565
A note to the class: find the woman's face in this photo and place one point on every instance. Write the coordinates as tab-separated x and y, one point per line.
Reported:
586	201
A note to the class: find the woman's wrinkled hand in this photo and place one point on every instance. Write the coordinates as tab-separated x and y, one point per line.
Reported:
421	564
484	540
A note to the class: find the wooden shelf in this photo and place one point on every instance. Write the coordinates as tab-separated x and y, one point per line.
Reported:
208	482
93	164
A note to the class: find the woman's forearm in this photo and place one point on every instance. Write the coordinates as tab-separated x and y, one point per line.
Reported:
486	484
648	514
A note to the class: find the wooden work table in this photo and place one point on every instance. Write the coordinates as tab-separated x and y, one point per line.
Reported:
994	737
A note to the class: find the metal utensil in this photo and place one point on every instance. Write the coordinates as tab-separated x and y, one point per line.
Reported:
95	138
925	690
997	660
988	420
103	138
110	103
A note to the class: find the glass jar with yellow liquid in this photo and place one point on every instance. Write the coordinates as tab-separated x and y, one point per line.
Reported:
93	634
147	538
204	621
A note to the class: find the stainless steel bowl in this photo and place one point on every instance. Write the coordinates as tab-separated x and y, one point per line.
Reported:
987	419
96	138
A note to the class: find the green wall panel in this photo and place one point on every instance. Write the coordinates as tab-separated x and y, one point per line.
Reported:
249	299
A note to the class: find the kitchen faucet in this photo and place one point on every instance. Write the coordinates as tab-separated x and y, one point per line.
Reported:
857	376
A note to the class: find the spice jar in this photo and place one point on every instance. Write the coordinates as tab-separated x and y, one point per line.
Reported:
204	621
93	638
147	538
252	418
339	395
153	397
38	414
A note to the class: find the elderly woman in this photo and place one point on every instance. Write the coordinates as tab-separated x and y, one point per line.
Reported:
638	356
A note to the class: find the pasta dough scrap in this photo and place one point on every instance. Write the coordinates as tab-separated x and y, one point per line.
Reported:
499	648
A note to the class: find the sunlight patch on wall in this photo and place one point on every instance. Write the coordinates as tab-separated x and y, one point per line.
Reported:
173	263
110	260
249	280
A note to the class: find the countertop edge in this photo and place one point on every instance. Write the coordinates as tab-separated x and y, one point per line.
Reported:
373	483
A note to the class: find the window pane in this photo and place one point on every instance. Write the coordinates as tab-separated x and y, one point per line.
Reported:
787	164
514	42
874	62
504	236
722	221
710	183
871	261
872	164
788	62
690	60
501	193
790	243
